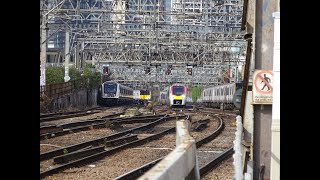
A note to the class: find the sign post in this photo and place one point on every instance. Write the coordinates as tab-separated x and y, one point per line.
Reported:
262	87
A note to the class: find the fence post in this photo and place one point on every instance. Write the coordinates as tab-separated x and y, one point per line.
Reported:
237	150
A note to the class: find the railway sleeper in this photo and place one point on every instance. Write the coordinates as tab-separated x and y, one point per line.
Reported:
84	153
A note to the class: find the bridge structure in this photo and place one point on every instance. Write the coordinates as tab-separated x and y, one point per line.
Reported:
147	42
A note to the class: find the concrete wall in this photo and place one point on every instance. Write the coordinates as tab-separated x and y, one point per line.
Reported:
79	99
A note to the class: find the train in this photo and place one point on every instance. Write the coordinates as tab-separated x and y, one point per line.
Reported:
224	96
177	95
141	96
112	93
164	96
174	96
136	96
145	95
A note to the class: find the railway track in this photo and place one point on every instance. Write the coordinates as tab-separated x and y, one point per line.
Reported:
99	152
51	131
197	127
142	169
64	115
206	169
44	115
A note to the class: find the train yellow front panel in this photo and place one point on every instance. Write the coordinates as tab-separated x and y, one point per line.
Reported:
177	97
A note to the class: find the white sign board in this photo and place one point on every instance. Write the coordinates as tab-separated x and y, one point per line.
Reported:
262	87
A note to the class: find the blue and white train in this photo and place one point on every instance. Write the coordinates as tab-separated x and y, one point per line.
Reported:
112	93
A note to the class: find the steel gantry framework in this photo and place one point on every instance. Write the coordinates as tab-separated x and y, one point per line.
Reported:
130	35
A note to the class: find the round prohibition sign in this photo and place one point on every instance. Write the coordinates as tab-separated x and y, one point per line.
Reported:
260	77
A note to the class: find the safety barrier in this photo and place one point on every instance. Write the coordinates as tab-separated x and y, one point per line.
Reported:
182	162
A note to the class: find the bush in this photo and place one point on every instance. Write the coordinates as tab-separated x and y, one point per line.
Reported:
89	77
196	92
74	73
94	77
54	75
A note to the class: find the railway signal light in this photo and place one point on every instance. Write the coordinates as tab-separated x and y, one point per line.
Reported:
189	70
105	70
147	70
169	68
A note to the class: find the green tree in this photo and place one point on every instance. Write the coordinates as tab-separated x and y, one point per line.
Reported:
89	78
196	92
93	78
54	75
74	73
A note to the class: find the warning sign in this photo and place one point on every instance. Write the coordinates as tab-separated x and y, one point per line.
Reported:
262	87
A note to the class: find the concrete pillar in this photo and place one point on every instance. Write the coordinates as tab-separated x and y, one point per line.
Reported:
275	127
237	151
182	131
43	53
67	57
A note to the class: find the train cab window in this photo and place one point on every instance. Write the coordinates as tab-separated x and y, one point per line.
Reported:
238	86
110	88
178	90
143	92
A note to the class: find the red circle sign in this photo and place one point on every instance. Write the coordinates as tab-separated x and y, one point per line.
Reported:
265	81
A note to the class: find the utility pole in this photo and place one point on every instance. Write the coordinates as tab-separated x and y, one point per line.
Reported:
67	56
77	57
43	53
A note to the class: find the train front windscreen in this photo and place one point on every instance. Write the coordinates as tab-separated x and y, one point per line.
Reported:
177	90
144	92
238	86
110	89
